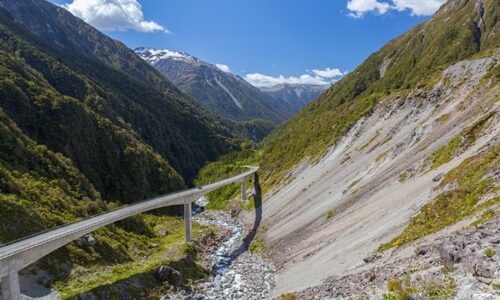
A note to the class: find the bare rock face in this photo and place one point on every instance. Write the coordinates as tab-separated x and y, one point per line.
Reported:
170	275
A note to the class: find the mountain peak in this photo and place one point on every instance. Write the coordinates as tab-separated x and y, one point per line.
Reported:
153	55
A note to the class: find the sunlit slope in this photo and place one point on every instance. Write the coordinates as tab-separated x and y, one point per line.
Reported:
457	31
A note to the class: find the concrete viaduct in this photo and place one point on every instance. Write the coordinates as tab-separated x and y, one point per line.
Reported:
17	255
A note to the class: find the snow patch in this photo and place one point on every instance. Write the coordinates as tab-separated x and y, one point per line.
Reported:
155	55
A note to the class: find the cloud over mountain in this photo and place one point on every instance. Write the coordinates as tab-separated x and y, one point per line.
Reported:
358	8
113	15
315	77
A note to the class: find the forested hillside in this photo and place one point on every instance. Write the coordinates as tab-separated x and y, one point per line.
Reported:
118	126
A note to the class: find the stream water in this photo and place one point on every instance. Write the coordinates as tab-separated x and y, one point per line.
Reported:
236	273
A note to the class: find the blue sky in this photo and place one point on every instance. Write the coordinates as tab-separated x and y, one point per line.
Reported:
267	37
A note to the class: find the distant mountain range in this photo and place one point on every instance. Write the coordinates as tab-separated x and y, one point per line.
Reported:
228	94
295	96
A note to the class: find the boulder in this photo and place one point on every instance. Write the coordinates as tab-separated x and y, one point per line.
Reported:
423	249
371	258
163	274
451	249
86	241
485	268
438	177
170	275
175	278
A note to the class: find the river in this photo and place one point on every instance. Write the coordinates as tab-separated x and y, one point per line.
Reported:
236	273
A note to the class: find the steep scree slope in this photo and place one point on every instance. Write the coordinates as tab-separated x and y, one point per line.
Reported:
365	157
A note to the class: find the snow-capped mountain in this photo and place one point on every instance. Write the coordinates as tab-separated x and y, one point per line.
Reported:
225	93
155	55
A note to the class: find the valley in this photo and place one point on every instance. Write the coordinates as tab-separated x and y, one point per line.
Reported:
153	174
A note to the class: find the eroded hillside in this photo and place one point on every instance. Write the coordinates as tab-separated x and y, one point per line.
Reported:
429	155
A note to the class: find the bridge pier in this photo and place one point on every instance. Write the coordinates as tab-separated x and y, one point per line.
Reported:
10	287
187	221
243	189
17	256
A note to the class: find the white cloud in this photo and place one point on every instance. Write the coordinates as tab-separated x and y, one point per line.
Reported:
419	7
358	8
318	77
224	68
328	73
113	15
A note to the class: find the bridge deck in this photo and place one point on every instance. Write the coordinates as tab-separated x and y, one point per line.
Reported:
19	254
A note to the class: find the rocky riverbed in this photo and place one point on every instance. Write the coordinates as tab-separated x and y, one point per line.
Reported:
236	272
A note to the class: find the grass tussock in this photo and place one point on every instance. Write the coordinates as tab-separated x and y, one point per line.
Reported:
460	143
470	184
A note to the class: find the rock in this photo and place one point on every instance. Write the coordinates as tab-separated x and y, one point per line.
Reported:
163	273
175	278
423	249
371	258
86	241
484	280
370	276
484	268
438	177
495	240
335	294
172	276
234	212
451	249
486	232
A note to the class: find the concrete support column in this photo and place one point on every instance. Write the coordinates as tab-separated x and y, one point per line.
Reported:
243	189
187	221
10	287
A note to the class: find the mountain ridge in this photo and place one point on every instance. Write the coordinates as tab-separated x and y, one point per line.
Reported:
223	92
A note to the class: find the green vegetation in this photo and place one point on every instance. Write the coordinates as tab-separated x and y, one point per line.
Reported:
40	189
399	289
228	165
415	60
443	117
83	130
382	155
489	252
167	250
405	289
471	185
461	142
440	290
288	296
257	245
373	138
131	137
331	213
485	217
403	176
